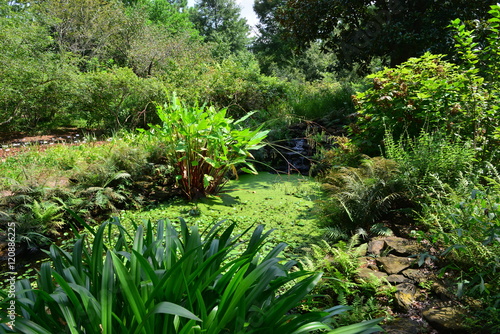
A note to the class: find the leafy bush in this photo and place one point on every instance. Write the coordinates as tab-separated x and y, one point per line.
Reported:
203	145
117	98
342	153
425	93
464	225
35	84
236	84
170	281
330	101
481	56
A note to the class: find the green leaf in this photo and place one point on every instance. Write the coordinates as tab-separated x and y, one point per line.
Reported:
365	327
129	288
107	295
174	309
206	180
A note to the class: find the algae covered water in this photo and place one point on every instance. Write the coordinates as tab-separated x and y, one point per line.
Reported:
286	203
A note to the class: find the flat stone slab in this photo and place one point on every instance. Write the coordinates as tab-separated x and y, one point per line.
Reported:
415	275
398	279
394	264
446	319
375	246
402	246
404	326
367	274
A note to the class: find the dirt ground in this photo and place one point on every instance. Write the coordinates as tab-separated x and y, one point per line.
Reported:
12	143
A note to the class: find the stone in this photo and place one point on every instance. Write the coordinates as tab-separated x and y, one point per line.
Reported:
402	246
446	319
404	326
367	275
406	295
442	291
397	279
375	246
393	264
416	275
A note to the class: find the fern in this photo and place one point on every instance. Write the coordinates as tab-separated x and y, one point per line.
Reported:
46	216
362	195
381	230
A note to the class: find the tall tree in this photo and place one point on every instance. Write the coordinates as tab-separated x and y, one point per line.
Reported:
220	21
270	45
172	14
86	28
358	30
34	81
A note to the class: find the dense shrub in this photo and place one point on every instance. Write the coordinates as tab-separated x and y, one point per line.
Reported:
35	85
330	101
360	195
117	98
426	93
479	54
463	225
236	84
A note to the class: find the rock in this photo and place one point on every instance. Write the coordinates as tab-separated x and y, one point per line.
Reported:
446	319
442	291
401	246
367	275
375	246
404	326
406	295
397	279
393	264
416	275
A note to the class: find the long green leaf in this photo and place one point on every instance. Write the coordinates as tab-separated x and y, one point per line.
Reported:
107	294
129	289
26	326
365	327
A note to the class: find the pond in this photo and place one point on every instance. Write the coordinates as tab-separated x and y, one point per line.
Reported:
285	203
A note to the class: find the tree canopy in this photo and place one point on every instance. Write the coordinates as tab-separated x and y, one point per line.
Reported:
359	30
220	22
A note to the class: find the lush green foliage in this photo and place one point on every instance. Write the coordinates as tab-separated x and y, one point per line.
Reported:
203	145
360	195
464	223
117	98
172	280
357	31
34	82
430	159
425	93
340	263
482	58
328	102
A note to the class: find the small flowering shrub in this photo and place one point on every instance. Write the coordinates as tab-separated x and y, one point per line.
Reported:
426	93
